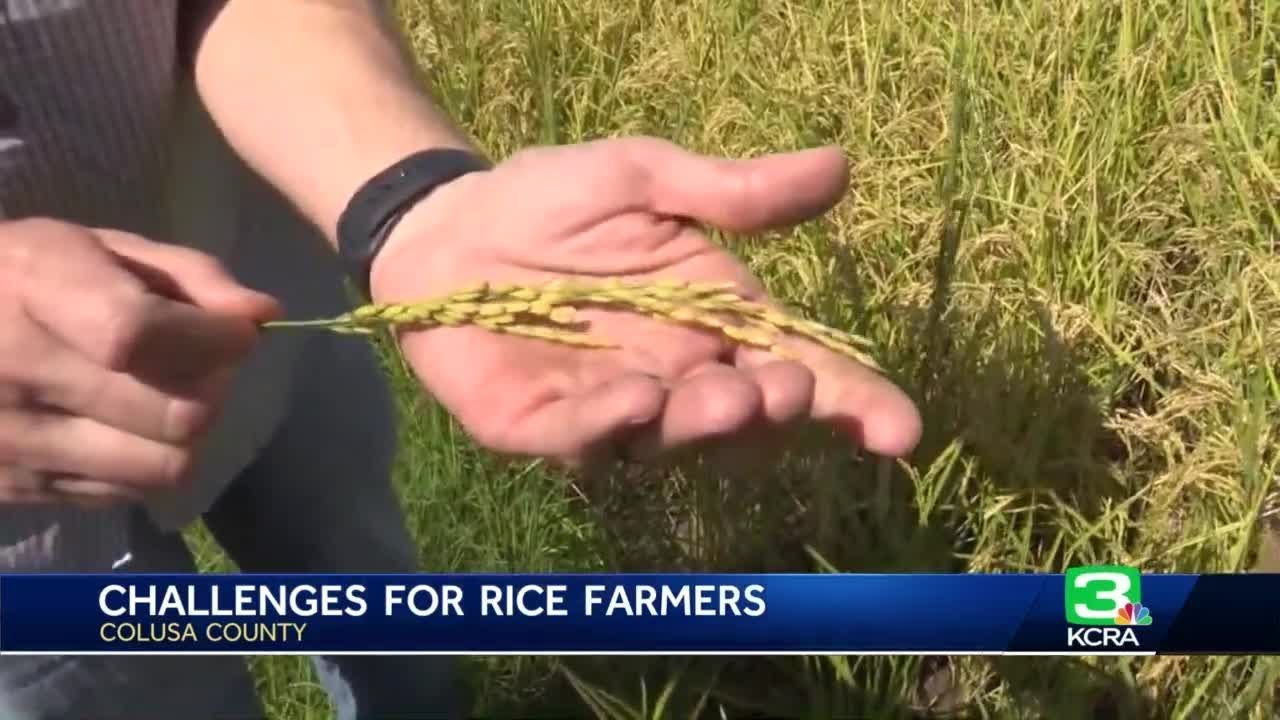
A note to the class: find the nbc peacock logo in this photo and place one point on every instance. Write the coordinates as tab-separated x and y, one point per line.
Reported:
1133	614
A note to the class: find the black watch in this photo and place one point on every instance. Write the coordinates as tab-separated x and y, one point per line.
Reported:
379	204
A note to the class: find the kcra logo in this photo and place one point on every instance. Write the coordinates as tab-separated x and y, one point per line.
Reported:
1106	600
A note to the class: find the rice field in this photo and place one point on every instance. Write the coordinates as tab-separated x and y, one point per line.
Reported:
1063	238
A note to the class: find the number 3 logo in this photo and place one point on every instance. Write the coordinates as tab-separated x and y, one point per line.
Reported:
1095	594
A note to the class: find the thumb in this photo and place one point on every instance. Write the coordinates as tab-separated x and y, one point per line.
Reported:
748	195
187	275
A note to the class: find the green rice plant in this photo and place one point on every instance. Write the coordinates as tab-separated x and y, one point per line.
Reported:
549	312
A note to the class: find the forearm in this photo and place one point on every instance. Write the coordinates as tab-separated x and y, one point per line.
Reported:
316	95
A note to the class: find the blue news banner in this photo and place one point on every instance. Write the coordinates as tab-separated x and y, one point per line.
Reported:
1095	610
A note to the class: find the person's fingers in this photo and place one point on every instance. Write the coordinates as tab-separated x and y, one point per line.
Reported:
92	493
184	274
66	381
880	417
863	404
712	402
167	343
37	370
11	395
750	195
68	445
20	486
85	298
786	387
575	427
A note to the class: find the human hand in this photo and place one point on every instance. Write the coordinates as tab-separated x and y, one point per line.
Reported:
624	208
115	353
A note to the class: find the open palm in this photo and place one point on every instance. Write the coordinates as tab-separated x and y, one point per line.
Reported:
624	208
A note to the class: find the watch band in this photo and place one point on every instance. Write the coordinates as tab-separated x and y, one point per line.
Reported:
379	204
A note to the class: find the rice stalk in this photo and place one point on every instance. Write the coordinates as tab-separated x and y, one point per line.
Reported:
549	312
